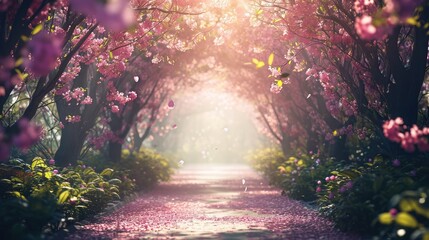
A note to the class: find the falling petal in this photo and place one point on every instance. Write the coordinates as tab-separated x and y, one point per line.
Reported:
136	78
226	129
243	181
245	189
181	162
309	95
171	104
174	126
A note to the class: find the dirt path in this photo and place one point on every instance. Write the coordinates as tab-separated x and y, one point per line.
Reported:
212	202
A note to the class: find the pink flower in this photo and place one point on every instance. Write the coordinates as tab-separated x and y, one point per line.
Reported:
318	189
327	179
132	95
332	178
366	29
87	100
51	161
55	171
28	134
393	212
43	52
319	182
73	118
275	88
115	108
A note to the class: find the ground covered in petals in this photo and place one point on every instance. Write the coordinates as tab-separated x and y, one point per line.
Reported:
212	202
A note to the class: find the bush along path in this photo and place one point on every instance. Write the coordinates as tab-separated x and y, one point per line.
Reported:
212	202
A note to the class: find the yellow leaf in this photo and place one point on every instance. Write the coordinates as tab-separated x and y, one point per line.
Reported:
19	62
412	21
259	12
279	83
63	196
24	38
335	133
426	236
110	54
18	195
385	218
38	162
271	59
255	61
406	205
21	75
260	64
48	173
37	29
406	220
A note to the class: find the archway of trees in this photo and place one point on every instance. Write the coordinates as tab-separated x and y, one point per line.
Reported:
338	84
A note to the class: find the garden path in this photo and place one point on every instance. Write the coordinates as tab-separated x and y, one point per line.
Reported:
212	202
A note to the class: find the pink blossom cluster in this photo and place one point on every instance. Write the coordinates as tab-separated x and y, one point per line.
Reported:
100	141
7	77
77	94
369	29
275	88
114	15
73	118
43	51
374	23
26	134
117	98
402	9
396	131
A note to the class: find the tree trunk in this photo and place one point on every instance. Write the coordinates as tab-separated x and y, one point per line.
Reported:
338	149
70	146
115	151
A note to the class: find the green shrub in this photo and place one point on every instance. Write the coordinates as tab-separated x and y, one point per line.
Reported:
360	191
146	167
38	198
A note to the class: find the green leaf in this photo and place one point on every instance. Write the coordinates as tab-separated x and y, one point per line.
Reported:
116	195
64	196
271	59
107	172
115	181
406	220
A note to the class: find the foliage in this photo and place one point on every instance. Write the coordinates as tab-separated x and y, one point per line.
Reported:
146	167
351	193
408	216
38	198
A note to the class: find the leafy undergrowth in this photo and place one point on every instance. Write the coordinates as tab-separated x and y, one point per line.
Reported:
362	194
40	198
